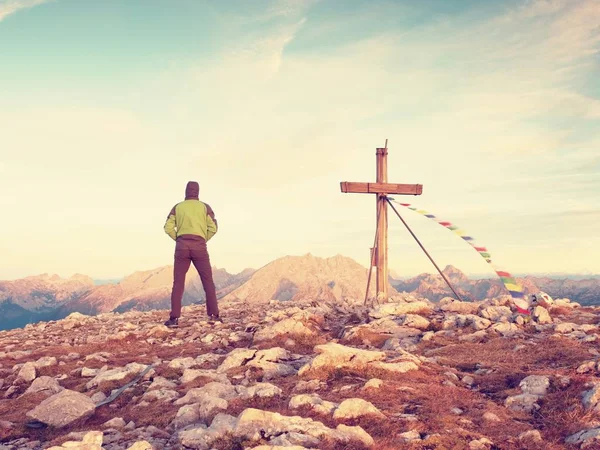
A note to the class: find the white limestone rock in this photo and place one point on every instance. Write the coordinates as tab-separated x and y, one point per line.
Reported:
63	408
354	408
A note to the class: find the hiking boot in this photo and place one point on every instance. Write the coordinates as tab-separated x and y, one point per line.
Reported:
172	322
213	319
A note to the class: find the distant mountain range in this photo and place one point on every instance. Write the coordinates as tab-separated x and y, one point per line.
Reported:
44	297
433	287
291	278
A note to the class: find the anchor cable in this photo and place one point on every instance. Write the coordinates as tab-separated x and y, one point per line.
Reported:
424	250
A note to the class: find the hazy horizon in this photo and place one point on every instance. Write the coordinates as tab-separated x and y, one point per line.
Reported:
109	108
473	275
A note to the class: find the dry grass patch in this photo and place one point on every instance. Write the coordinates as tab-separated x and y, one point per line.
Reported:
330	444
159	414
545	356
230	442
424	394
170	373
562	412
15	410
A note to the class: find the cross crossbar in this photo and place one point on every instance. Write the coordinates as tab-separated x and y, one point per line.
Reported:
381	188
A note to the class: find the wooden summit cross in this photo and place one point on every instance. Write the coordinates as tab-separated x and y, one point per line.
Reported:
381	188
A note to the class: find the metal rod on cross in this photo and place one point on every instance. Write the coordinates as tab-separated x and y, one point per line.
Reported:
372	262
424	250
381	188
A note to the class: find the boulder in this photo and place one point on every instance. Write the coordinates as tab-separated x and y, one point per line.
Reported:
201	437
63	409
204	410
160	395
584	438
116	423
541	315
187	415
535	384
269	361
398	309
353	408
117	374
45	361
480	444
91	441
334	355
506	329
395	367
491	417
161	383
450	304
533	436
182	363
27	372
522	402
46	385
213	389
410	436
254	424
566	327
261	390
414	321
287	327
236	358
591	398
373	383
314	402
496	313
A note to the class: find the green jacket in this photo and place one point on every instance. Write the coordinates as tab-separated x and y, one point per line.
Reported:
191	217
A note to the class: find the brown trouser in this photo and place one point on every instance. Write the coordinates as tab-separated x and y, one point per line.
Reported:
187	250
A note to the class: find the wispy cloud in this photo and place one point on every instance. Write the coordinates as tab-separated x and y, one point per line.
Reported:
8	7
289	8
267	52
497	117
268	32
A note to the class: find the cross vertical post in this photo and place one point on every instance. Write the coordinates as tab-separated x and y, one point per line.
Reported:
382	227
382	189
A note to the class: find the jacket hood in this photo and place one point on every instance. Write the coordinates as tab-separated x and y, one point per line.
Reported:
192	190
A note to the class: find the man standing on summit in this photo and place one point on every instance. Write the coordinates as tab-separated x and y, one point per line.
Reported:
191	224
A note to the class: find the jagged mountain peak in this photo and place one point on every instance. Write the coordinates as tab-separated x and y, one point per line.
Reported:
305	277
453	272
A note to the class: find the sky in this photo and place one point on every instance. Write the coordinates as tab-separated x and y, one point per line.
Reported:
108	108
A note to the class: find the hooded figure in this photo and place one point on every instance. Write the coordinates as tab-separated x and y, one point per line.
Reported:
192	190
191	224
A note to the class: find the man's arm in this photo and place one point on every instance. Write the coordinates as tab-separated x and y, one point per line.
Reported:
211	222
171	224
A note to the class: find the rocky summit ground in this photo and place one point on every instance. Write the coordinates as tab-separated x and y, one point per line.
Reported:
408	374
